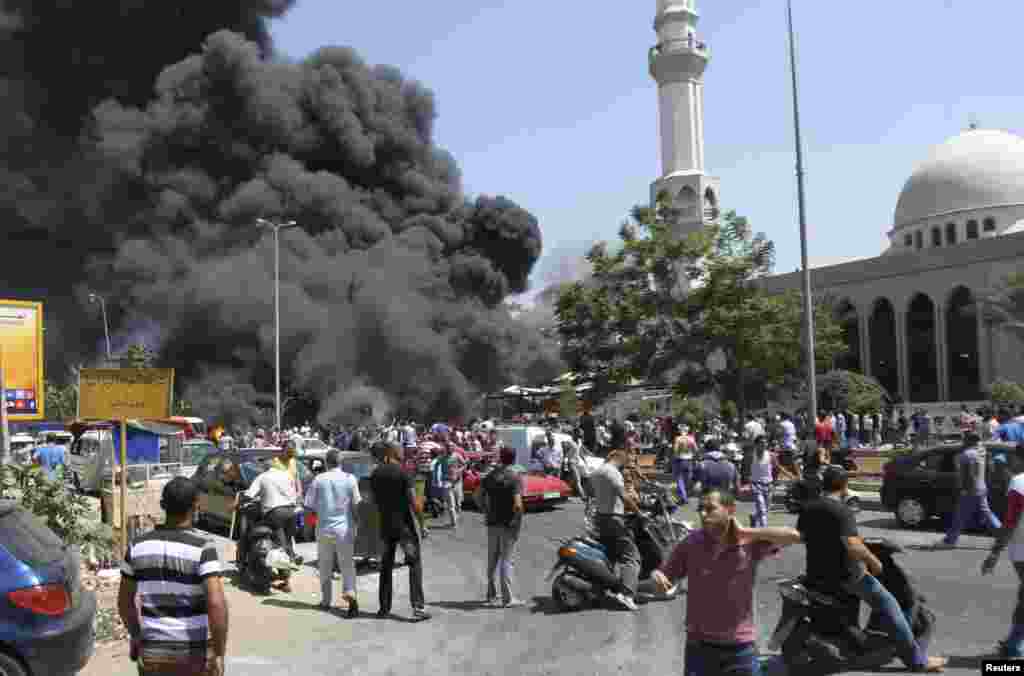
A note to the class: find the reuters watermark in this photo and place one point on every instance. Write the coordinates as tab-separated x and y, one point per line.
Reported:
1002	667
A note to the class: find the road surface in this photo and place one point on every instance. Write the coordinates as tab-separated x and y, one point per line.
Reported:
286	635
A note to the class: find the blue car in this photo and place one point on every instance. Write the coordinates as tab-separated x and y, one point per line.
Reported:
46	618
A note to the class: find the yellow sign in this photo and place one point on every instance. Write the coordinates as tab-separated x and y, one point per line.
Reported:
119	394
21	356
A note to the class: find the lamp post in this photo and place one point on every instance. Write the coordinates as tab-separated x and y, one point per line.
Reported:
94	298
277	228
812	388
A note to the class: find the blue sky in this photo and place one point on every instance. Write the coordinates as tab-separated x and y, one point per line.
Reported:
550	103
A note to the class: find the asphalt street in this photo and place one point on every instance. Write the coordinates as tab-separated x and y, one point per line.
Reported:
285	634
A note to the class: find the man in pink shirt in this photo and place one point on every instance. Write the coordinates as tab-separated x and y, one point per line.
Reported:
721	559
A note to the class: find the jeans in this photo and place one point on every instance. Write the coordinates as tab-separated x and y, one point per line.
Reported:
967	511
614	534
714	659
501	559
1015	641
330	549
682	473
762	504
410	542
282	520
869	590
451	504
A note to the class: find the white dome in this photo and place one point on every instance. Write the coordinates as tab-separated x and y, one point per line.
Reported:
977	169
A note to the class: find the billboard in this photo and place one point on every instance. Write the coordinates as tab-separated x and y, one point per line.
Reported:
21	355
125	394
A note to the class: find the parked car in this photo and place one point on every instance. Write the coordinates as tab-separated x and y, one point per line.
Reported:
925	484
217	496
46	618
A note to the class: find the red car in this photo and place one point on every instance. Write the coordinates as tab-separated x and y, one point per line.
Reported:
539	489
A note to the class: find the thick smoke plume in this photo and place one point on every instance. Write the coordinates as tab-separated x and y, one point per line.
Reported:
391	291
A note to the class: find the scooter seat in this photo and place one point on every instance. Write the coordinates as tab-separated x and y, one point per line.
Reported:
261	531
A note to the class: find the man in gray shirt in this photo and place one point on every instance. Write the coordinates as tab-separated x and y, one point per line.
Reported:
973	504
611	505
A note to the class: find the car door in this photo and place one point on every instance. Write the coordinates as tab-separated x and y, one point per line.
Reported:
945	486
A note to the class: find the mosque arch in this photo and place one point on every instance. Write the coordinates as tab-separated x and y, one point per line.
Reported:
972	229
936	236
710	204
882	340
922	354
950	234
849	320
990	224
962	345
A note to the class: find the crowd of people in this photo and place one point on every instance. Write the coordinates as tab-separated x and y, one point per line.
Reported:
721	637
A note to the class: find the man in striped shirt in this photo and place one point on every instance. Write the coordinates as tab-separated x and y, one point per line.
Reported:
180	624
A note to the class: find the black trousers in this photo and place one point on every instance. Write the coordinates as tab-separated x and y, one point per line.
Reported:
614	534
282	520
409	540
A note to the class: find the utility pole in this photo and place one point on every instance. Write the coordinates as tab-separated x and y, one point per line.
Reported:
277	227
812	388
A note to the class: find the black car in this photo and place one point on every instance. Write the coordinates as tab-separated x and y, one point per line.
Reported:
46	618
925	484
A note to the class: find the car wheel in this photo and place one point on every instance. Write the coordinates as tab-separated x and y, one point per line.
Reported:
910	512
10	666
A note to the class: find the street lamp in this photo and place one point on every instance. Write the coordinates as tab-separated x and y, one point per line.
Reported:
277	228
93	298
812	387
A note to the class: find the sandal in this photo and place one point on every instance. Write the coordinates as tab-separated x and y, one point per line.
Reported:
933	666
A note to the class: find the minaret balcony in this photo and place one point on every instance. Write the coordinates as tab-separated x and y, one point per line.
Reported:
688	46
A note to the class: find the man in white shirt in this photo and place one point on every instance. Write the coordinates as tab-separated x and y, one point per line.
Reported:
753	429
334	496
1013	537
551	455
788	433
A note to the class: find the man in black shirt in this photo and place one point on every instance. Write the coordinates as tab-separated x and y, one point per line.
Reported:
501	495
395	496
589	429
837	558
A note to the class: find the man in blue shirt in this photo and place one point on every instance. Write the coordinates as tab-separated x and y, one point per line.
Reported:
334	496
49	458
1009	430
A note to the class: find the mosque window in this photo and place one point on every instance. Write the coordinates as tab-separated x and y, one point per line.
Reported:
936	236
918	240
908	240
972	229
950	233
990	225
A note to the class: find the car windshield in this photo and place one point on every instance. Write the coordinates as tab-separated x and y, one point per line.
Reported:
360	469
28	539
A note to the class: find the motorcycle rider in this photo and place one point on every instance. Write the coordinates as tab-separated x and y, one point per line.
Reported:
838	560
275	490
611	503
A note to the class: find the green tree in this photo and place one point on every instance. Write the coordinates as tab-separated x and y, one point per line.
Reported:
568	402
1006	393
1004	304
688	411
138	356
850	391
61	400
687	311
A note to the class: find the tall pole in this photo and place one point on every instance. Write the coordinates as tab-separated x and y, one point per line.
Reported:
812	396
106	326
277	227
277	322
5	441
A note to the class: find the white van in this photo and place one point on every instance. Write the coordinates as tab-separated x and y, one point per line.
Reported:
521	438
91	460
22	446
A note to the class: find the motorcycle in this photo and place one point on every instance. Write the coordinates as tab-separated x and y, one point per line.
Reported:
261	560
820	632
583	573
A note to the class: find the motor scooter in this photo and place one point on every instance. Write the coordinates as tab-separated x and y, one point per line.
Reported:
584	575
819	632
260	559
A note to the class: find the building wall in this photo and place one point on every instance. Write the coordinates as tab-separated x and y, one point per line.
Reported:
937	273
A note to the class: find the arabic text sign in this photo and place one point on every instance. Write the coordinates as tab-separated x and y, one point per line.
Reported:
21	345
113	394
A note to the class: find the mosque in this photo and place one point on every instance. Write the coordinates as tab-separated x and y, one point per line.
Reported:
910	314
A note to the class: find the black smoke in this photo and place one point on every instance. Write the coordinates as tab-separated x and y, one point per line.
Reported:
391	291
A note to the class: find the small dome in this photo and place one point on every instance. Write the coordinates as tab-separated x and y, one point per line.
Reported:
977	169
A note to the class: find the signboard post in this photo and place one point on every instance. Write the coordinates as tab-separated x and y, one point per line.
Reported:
122	395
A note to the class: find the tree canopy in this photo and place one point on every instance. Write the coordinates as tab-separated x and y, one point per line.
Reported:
687	311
